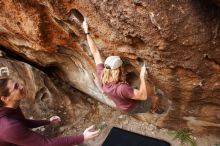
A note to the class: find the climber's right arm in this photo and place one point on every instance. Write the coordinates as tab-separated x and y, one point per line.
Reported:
93	48
141	94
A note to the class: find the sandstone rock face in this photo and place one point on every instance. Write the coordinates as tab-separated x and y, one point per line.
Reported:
179	40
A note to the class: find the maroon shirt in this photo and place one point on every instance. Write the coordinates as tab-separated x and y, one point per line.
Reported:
14	131
120	93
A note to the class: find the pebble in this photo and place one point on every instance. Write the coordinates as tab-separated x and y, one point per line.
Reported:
61	129
125	122
121	116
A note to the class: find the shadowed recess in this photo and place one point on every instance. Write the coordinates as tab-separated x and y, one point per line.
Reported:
75	15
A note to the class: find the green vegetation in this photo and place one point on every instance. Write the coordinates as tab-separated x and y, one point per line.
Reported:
217	144
185	136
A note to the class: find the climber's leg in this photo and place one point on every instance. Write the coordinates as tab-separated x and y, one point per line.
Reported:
155	107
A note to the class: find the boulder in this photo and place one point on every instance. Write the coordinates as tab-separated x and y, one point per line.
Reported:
178	40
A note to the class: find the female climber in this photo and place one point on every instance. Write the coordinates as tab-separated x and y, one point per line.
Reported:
114	86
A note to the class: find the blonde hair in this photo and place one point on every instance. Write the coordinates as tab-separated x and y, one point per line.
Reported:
111	75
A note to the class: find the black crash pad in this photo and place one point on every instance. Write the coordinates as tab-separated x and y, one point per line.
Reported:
120	137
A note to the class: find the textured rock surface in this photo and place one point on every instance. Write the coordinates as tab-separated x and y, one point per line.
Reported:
178	39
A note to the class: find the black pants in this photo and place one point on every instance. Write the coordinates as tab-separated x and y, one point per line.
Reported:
142	106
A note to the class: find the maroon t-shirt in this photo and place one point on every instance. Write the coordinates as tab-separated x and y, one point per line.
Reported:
14	131
120	93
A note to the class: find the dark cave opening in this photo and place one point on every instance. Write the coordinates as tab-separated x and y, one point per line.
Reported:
12	55
52	70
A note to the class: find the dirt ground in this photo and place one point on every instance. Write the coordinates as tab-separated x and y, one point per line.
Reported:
115	118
